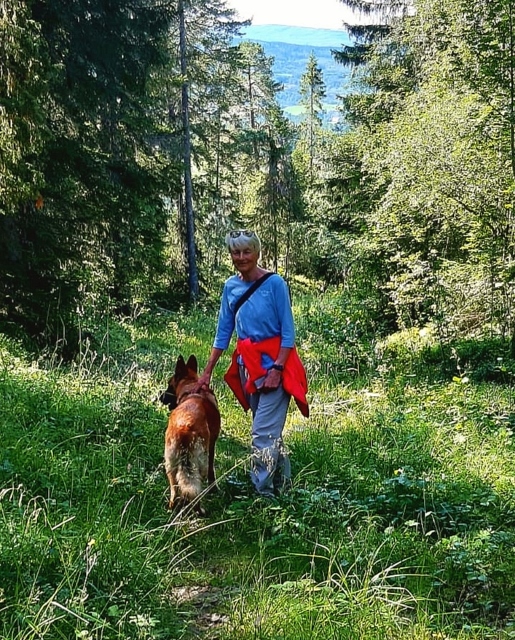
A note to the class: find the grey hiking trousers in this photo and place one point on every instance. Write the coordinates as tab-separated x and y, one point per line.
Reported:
270	470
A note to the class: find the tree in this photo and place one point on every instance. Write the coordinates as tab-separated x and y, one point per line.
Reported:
312	91
199	136
96	231
186	153
380	14
278	205
269	198
23	86
435	120
260	93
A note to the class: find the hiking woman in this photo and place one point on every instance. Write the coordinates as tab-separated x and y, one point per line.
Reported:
266	369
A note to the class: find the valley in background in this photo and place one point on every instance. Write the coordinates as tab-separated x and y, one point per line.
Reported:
291	47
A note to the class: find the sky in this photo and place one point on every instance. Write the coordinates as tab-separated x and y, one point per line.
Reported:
319	14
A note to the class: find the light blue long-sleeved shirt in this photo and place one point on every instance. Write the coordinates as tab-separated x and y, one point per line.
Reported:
266	314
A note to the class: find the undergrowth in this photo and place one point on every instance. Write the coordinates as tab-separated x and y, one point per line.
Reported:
400	522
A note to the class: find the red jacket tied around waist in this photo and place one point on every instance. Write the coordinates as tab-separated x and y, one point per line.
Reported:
294	375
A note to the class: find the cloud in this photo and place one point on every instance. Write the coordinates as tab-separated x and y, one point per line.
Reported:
322	14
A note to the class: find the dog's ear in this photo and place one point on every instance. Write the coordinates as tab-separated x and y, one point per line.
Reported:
192	364
181	370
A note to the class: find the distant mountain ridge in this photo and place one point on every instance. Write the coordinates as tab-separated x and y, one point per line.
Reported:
306	36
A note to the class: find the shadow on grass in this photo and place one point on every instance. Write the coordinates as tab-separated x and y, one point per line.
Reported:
430	470
481	360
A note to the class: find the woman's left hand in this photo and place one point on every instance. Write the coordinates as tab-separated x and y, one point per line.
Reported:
272	380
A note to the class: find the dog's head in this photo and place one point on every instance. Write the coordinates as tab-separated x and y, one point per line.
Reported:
185	372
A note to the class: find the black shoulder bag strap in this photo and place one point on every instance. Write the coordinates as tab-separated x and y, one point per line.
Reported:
251	290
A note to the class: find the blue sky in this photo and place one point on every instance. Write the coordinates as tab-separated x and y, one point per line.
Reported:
319	14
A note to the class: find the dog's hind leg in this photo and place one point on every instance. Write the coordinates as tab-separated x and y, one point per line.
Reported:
172	481
210	464
173	491
214	430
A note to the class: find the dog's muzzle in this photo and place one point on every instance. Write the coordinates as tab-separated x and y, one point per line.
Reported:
169	398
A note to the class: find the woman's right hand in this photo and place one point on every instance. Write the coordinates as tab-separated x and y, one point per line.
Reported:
203	382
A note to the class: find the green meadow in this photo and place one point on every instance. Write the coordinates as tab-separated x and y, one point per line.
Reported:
400	523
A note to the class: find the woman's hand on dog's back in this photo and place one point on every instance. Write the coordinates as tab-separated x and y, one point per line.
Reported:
203	383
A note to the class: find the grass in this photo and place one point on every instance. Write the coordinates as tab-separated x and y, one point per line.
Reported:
400	523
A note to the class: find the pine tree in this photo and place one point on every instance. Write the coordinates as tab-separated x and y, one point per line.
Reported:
312	91
89	225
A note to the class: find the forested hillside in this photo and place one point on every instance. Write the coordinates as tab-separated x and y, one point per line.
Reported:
133	137
290	48
290	62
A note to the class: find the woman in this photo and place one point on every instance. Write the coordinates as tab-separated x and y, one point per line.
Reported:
266	370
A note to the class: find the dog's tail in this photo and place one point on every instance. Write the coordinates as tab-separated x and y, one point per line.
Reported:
188	479
189	462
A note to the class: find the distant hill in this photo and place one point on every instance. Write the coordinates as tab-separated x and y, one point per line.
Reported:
297	35
291	47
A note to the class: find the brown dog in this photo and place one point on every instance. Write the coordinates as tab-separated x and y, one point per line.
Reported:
193	427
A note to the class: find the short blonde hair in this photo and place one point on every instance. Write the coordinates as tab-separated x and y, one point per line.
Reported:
242	239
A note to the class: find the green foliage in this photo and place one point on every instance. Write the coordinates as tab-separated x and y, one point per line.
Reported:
69	461
337	332
89	222
399	523
427	179
23	86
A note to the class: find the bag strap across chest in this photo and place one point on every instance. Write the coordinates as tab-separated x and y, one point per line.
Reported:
255	285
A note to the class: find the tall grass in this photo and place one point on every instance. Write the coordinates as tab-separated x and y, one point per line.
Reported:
400	522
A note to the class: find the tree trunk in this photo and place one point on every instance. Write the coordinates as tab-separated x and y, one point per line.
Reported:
193	282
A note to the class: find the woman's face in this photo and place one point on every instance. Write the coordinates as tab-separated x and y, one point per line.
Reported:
244	259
